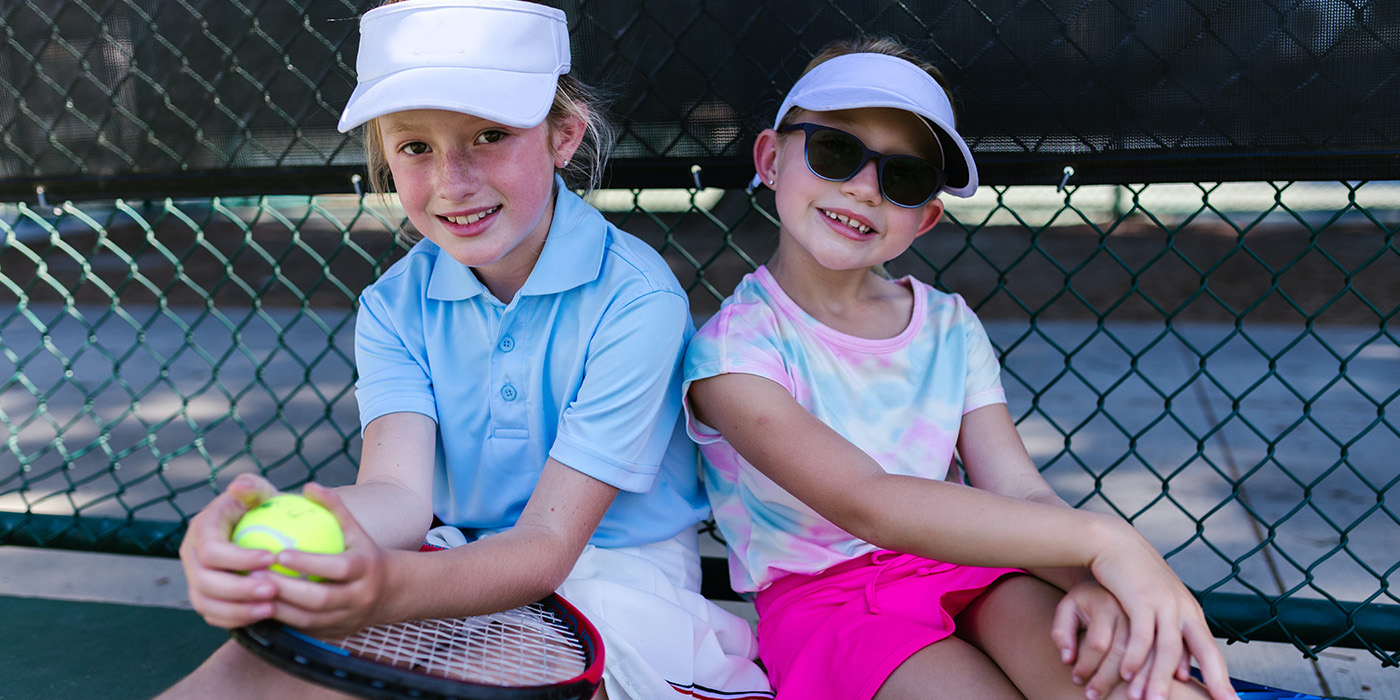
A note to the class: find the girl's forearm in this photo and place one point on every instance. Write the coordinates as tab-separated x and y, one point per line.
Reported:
495	573
965	525
505	570
394	516
1063	578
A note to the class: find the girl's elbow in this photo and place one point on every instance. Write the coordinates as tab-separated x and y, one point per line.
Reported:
542	588
864	520
558	572
556	561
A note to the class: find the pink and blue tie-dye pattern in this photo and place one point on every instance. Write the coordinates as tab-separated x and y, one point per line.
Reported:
899	399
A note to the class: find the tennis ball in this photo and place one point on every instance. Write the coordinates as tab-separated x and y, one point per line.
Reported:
290	521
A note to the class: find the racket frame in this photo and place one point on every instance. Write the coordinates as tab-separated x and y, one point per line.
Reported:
326	664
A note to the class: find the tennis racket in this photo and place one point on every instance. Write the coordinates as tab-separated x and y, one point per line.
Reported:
1254	691
542	651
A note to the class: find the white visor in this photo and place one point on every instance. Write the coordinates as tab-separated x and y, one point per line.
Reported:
858	80
495	59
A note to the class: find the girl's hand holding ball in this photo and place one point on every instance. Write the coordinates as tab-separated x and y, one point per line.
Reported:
290	521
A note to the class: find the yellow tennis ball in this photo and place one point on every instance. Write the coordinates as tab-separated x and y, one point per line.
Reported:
290	521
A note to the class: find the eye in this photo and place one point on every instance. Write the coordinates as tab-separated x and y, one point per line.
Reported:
416	148
491	136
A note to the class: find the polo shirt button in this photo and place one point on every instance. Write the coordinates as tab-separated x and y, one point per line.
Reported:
507	344
508	392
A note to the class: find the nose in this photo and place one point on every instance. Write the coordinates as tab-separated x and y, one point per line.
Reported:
456	174
865	184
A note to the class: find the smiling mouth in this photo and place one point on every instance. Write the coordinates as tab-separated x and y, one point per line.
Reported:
472	218
847	221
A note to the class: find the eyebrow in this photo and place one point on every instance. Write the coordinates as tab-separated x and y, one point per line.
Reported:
397	127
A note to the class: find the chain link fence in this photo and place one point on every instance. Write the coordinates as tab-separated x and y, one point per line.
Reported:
1186	257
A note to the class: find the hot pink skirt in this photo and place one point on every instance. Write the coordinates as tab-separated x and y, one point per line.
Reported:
839	634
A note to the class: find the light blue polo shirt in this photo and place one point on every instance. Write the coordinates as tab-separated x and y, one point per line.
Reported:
582	366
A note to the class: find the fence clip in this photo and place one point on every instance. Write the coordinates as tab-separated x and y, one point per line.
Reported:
695	173
43	201
355	182
1069	173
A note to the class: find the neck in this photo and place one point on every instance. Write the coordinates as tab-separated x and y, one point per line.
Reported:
506	276
816	288
855	302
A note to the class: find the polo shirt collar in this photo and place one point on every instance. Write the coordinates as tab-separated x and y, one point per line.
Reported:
572	255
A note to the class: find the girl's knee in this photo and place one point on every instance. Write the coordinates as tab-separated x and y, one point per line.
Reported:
1178	690
949	668
1019	601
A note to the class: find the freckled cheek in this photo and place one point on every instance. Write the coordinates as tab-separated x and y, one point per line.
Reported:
413	192
528	184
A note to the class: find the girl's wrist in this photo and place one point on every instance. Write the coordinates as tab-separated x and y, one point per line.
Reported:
1105	534
391	599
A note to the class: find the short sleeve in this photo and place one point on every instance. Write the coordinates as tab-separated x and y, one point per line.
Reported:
983	386
393	376
619	426
732	342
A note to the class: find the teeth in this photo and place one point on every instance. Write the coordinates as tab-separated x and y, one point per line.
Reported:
471	218
847	221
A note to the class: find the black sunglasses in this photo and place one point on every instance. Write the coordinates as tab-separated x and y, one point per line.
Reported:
837	156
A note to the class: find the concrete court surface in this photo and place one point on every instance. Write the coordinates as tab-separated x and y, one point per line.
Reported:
120	628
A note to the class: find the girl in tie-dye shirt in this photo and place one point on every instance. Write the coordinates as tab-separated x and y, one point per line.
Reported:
829	402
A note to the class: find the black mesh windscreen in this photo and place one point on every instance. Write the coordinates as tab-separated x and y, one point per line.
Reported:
1124	90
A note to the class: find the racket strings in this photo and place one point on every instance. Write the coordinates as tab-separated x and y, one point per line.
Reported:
521	647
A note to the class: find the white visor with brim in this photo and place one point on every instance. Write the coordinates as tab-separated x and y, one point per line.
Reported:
859	80
495	59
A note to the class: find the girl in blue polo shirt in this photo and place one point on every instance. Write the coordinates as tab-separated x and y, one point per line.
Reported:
519	384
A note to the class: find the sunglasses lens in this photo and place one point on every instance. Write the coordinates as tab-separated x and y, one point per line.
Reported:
834	155
838	156
909	181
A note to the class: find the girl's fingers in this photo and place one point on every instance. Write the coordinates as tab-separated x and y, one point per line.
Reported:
214	524
1094	648
1202	647
207	555
1105	678
250	490
325	608
1137	686
230	615
236	588
321	567
1166	657
1064	629
1142	629
225	599
222	555
310	595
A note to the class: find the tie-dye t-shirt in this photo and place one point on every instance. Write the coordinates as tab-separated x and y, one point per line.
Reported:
900	399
